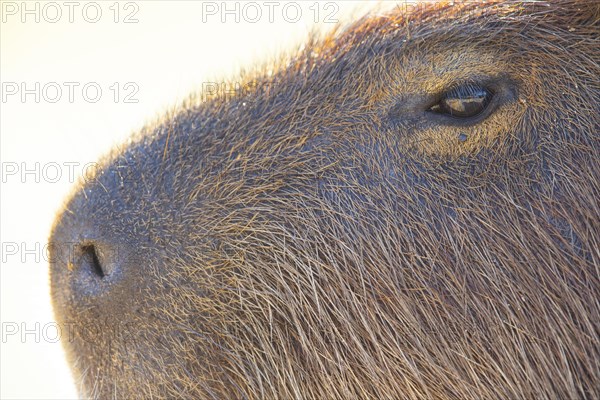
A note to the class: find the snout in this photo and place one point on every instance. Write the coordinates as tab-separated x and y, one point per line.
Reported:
85	259
95	247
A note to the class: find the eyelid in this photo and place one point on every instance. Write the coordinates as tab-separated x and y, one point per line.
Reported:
466	90
474	81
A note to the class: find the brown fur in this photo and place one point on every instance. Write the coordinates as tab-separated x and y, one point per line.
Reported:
309	239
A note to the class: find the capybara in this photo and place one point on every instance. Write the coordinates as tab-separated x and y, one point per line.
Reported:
405	208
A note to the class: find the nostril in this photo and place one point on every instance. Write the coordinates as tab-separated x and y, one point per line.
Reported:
95	266
90	260
95	260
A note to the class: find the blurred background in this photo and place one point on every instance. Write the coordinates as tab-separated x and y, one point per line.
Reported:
77	78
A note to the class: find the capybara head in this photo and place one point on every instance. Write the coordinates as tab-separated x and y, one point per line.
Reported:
407	208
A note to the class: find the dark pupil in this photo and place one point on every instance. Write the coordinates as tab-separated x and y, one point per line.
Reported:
465	101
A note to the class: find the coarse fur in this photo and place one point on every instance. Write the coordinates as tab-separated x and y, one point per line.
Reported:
321	235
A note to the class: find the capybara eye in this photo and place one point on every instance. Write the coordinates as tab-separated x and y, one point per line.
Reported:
463	101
